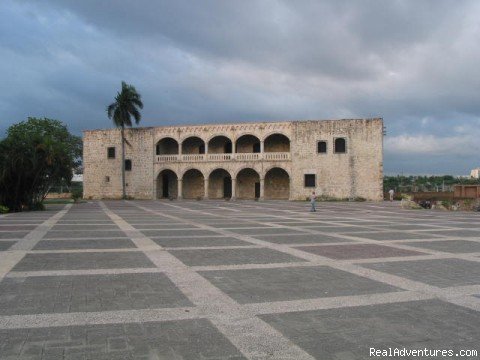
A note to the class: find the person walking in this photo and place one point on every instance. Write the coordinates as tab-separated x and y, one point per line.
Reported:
391	192
313	198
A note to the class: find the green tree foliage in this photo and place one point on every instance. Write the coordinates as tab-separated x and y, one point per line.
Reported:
416	183
34	155
126	105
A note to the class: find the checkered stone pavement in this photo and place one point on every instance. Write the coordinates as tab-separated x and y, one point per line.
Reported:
236	280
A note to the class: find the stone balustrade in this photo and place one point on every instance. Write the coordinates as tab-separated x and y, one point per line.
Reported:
269	156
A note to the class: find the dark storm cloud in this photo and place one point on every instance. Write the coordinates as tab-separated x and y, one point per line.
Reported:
413	62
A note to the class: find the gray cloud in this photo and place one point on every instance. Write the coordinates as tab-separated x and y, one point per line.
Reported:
414	63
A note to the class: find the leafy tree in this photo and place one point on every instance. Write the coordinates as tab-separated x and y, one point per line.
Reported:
34	155
121	112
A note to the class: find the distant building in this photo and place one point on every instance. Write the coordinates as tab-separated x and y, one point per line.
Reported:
277	160
475	173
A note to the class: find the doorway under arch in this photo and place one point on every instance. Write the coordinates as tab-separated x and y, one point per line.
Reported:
167	185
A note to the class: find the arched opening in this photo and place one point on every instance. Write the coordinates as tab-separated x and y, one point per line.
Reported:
219	184
167	146
193	184
167	185
248	184
193	145
340	145
277	184
277	143
220	145
247	144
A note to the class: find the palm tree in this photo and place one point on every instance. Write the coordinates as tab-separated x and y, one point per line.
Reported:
121	111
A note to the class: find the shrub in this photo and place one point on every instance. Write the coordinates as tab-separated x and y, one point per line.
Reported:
38	206
77	194
3	209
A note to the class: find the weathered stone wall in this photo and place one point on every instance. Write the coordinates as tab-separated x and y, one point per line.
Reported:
246	180
193	185
358	172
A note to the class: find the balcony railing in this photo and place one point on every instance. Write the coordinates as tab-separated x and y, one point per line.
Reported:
270	156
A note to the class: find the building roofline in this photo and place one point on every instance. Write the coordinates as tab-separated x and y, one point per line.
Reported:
239	123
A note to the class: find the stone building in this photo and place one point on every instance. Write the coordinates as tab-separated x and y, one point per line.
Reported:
265	160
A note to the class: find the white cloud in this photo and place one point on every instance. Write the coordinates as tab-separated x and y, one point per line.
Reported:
432	145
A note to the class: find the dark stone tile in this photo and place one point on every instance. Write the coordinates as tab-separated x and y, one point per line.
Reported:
84	244
349	333
452	246
77	261
176	233
392	235
300	239
5	245
197	242
93	234
185	339
84	293
357	251
440	272
293	283
232	256
13	234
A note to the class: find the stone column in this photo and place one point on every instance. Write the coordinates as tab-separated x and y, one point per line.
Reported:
233	147
206	148
234	189
206	189
180	187
262	189
262	146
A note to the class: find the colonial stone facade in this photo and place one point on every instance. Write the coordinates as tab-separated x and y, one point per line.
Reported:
266	160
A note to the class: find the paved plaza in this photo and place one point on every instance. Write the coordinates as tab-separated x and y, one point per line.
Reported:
237	280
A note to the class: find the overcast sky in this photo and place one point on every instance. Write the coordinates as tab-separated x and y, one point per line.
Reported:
414	63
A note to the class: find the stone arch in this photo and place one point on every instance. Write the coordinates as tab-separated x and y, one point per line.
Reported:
166	146
247	143
220	144
167	184
193	184
247	184
193	145
219	184
277	184
276	142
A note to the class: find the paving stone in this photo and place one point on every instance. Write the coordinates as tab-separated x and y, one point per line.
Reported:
441	272
293	283
5	245
349	333
232	256
198	242
357	251
300	239
23	227
392	235
81	227
76	261
173	232
265	230
13	234
456	233
186	339
93	234
85	293
84	244
452	246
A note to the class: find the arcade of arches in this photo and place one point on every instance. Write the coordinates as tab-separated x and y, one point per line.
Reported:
221	144
220	184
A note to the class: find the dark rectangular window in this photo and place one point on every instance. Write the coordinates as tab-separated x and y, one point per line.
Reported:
309	180
128	165
322	147
111	153
256	147
340	146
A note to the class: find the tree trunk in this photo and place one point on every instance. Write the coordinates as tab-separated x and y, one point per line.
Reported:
124	192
